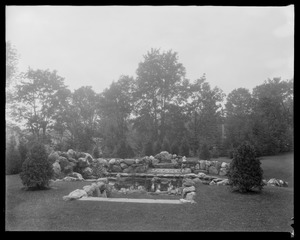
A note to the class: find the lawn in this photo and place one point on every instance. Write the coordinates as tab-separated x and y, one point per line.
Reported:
217	209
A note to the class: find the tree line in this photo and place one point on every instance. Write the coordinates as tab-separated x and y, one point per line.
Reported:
159	109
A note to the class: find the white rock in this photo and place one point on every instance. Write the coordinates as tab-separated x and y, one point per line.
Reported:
201	175
190	196
112	161
76	194
56	167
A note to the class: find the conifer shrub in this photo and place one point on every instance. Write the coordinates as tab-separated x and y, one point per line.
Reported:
36	169
245	172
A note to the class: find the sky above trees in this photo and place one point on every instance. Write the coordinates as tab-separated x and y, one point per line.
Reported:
92	46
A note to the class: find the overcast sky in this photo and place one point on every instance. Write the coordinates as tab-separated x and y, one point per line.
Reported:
92	46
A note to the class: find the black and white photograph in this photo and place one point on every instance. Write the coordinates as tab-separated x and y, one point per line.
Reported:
149	118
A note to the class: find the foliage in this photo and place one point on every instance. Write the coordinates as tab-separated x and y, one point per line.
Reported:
12	157
184	148
175	148
148	149
99	170
157	147
166	145
204	111
245	172
96	153
34	100
36	170
12	59
204	152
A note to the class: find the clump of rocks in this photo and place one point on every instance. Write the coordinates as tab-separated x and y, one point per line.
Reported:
101	188
188	191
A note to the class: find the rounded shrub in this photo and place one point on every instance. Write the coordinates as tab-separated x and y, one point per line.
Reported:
36	169
245	172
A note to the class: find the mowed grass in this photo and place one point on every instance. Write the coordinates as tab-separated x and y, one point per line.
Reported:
217	209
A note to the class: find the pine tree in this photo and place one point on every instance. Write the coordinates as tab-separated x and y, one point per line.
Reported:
245	172
36	169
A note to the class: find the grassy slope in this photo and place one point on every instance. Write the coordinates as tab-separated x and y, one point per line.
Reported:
217	209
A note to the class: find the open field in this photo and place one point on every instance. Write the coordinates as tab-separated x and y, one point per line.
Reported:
217	209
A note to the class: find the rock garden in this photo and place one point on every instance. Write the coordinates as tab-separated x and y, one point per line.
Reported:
162	174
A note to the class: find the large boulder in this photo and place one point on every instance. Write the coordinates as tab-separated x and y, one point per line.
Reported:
123	165
213	170
207	164
201	175
130	169
56	168
89	158
154	161
190	196
76	194
141	169
223	171
202	164
196	180
224	165
71	154
188	183
53	157
76	175
112	161
102	161
83	163
223	182
87	172
116	168
186	170
128	161
218	165
65	165
187	190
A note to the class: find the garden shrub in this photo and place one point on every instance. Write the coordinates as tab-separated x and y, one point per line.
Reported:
245	172
36	169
